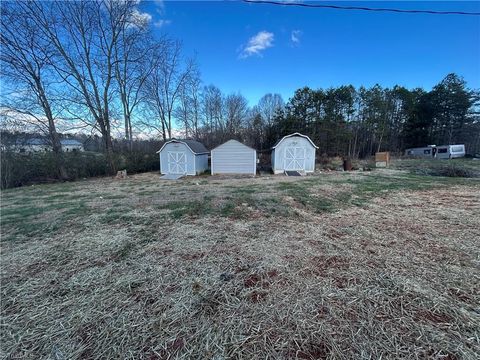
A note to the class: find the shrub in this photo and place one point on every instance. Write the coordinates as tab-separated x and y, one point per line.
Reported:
22	169
447	170
454	170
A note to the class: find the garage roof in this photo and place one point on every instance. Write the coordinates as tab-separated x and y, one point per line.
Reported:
235	141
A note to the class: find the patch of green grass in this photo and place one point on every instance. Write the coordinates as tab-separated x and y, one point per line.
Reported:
13	214
78	208
228	209
113	196
363	187
246	190
36	220
125	250
147	192
196	208
377	183
115	215
250	189
440	167
301	192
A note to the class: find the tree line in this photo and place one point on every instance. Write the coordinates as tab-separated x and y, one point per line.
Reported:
342	121
358	122
99	66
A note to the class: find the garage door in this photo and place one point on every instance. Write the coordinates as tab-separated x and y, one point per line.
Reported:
177	162
295	158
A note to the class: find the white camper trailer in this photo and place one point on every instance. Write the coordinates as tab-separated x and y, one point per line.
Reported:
450	151
437	152
422	152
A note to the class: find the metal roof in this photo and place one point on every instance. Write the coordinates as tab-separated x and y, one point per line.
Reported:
195	146
295	134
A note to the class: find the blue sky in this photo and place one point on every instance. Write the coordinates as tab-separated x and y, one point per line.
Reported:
255	49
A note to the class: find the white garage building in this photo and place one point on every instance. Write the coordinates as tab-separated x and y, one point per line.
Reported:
233	157
294	152
183	157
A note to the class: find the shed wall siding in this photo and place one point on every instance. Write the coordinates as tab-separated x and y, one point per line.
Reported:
179	147
201	163
278	154
233	157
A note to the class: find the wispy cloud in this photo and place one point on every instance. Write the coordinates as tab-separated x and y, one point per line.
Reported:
162	22
160	5
256	44
138	18
295	37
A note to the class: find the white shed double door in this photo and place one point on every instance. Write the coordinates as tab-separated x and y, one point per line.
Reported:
177	162
295	158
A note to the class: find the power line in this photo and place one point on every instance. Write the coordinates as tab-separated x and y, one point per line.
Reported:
361	8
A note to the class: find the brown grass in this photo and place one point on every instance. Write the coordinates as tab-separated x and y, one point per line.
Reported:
397	277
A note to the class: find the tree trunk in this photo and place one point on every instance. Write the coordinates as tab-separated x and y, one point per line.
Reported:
164	134
130	133
107	141
109	153
59	159
128	130
169	128
380	142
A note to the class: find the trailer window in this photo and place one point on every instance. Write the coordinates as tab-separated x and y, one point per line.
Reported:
426	152
442	151
457	148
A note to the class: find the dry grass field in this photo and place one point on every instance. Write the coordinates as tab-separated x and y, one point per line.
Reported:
361	265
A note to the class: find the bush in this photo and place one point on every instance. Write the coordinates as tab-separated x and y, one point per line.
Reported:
135	162
448	170
454	170
22	169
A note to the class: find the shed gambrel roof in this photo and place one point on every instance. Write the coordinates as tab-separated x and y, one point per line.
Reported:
195	146
294	134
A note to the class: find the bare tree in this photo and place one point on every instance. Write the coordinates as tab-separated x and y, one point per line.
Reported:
188	110
268	105
25	59
213	109
133	65
165	83
182	111
236	108
85	36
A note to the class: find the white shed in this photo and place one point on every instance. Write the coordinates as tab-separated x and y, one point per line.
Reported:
294	152
187	157
233	157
